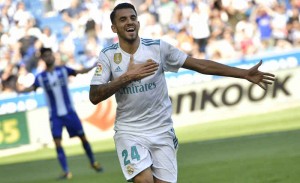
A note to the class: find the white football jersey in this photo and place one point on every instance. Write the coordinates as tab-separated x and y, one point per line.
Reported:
144	106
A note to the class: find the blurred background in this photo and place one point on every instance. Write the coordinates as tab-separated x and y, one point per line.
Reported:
234	32
77	30
227	127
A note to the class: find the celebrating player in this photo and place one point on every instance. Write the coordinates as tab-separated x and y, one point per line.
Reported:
133	70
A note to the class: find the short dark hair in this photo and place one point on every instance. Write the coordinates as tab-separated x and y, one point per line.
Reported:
43	50
118	7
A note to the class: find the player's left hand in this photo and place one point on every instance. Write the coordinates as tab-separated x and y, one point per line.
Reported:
262	79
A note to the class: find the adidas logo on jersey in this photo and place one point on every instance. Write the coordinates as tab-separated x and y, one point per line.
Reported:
118	69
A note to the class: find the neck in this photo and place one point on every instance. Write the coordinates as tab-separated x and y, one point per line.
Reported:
130	47
50	68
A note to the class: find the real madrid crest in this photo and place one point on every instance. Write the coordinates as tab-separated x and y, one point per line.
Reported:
130	169
117	58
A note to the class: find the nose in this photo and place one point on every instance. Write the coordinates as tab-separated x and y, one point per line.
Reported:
130	21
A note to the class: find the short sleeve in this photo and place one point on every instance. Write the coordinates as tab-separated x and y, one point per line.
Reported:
36	83
102	73
171	57
70	71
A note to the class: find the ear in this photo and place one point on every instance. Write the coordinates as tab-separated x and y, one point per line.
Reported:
113	28
139	25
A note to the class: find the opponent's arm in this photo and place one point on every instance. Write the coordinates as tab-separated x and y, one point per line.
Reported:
22	89
214	68
84	70
134	72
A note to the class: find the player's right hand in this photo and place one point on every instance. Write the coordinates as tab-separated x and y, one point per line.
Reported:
140	71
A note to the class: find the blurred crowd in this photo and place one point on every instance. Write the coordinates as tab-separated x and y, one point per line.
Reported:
220	30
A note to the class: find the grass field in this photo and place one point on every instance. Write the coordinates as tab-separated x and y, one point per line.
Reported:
252	149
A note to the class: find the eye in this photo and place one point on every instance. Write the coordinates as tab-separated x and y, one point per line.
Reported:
133	18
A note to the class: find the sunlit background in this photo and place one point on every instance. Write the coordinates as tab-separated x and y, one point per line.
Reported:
235	32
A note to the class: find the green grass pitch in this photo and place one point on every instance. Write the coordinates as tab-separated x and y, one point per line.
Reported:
251	149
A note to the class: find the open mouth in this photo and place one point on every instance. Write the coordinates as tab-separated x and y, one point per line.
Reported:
130	29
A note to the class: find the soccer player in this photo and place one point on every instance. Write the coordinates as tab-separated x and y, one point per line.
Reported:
54	81
133	70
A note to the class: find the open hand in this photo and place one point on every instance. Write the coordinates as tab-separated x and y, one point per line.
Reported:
262	79
140	71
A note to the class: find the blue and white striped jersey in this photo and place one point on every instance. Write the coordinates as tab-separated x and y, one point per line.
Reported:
55	86
143	106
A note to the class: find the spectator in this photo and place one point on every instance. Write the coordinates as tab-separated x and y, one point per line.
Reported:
217	26
246	39
28	45
48	39
295	33
71	13
22	15
165	13
257	28
150	28
185	41
5	19
199	25
105	35
9	79
263	21
279	21
235	10
25	78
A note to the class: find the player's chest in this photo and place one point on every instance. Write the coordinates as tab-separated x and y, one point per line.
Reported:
120	63
54	80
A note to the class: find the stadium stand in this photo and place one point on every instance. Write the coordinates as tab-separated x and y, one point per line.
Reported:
78	29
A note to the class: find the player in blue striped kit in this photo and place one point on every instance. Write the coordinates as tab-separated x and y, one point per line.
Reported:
54	81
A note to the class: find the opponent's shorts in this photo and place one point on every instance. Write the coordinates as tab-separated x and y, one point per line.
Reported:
137	152
72	123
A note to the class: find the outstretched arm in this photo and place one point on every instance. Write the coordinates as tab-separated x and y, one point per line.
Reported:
22	89
214	68
134	72
84	70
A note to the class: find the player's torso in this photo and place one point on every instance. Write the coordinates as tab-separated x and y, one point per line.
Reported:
139	97
55	80
119	59
55	85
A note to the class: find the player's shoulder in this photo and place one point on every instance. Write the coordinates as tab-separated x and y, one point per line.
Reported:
41	74
110	48
60	68
150	42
